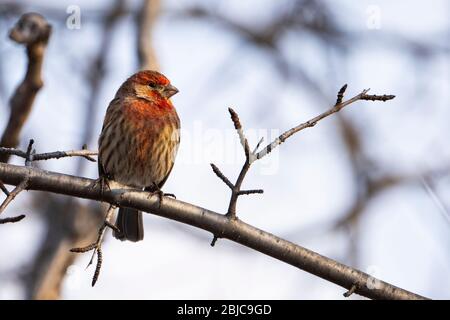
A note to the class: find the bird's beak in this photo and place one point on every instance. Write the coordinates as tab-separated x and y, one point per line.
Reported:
169	91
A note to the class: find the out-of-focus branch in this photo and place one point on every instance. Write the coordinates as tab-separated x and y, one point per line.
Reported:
233	229
96	72
67	231
33	31
145	20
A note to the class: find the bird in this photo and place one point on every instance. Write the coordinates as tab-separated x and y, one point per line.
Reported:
139	142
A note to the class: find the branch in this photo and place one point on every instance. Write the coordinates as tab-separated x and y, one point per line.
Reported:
251	156
49	267
10	197
97	245
49	155
145	21
234	230
33	31
312	122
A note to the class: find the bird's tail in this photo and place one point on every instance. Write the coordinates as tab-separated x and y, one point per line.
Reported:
129	222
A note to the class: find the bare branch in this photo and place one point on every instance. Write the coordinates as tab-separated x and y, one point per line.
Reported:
10	197
50	155
12	219
97	245
340	94
312	122
29	153
351	291
374	97
221	176
238	127
250	157
33	31
235	230
145	21
3	188
251	191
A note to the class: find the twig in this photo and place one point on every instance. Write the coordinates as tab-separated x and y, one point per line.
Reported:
350	291
97	245
3	188
258	144
340	94
214	240
19	188
251	191
374	97
215	223
50	155
249	158
238	127
29	153
221	176
10	197
312	122
12	219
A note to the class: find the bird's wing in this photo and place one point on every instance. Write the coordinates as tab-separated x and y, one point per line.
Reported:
113	107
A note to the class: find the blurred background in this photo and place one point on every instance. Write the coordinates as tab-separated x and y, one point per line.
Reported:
369	187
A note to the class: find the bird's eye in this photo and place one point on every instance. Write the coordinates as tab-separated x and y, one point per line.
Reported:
152	85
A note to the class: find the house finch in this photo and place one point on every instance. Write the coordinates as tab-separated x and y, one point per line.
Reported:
139	141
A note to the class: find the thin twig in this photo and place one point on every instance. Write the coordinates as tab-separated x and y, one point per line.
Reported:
257	145
374	97
350	291
221	176
340	94
312	122
3	188
214	240
63	154
50	155
97	245
19	188
240	131
29	153
251	191
12	219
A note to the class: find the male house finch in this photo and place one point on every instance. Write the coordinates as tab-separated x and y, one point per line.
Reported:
139	141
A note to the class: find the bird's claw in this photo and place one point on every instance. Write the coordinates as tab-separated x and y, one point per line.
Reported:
160	194
103	182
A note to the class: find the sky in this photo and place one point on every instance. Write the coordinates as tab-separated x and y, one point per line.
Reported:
404	234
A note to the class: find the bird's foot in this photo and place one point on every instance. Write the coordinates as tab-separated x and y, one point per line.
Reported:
159	193
103	182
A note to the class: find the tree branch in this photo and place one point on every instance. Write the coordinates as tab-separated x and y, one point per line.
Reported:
312	122
50	155
33	31
10	197
235	230
145	20
97	245
251	156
